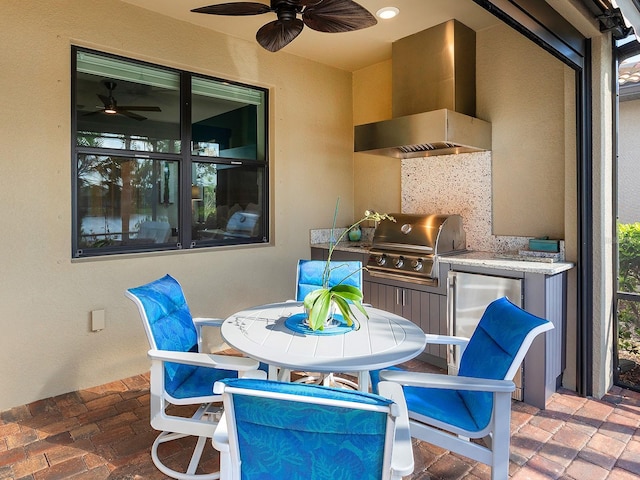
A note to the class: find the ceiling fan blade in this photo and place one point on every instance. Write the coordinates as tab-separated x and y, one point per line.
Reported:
135	116
236	8
139	108
277	34
307	3
335	16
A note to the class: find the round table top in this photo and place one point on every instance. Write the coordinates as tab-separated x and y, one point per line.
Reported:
383	340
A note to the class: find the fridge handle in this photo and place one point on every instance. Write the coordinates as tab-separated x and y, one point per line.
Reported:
451	302
451	315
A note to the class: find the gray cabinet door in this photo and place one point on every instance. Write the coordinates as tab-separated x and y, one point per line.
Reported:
427	310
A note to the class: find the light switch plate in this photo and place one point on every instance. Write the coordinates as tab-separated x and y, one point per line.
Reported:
97	320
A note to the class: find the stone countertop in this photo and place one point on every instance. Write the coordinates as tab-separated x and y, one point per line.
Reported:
501	261
357	247
506	261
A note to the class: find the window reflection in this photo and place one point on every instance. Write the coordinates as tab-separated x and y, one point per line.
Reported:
164	159
226	202
226	120
126	201
124	105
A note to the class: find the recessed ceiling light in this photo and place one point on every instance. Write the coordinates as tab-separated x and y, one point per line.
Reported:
387	12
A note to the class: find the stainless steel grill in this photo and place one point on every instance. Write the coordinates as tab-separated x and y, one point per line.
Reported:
409	248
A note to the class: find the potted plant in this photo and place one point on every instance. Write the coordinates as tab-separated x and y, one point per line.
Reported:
321	303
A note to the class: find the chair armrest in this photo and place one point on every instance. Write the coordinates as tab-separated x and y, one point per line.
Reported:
207	322
446	339
448	382
221	435
402	462
254	374
200	322
211	360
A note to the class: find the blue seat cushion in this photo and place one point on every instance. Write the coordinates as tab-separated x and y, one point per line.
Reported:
450	407
192	381
281	439
310	275
489	354
169	318
374	375
440	403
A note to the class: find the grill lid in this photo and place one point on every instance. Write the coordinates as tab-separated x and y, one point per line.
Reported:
429	234
408	248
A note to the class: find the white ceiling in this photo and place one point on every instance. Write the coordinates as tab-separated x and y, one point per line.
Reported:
348	51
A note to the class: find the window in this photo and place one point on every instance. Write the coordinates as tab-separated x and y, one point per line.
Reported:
164	159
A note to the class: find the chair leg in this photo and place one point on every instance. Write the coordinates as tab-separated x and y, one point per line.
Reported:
197	454
327	380
332	380
206	411
500	441
193	464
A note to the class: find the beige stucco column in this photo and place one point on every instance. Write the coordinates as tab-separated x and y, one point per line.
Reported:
603	219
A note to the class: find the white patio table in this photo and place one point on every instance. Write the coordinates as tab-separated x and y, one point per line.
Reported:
272	334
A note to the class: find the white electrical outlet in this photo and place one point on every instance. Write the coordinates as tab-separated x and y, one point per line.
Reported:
97	320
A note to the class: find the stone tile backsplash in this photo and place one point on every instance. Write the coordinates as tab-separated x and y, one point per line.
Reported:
461	184
323	235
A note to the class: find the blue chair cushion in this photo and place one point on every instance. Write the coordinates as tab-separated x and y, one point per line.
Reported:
448	406
492	349
374	375
281	439
310	275
444	405
192	381
489	354
169	319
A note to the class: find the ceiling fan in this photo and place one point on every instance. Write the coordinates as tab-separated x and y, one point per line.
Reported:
329	16
111	107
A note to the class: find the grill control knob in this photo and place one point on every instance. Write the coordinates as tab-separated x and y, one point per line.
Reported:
381	259
399	262
416	264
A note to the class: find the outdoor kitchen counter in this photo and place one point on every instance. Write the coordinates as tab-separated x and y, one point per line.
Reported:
502	261
506	261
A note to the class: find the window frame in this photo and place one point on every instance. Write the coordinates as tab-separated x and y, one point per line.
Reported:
185	159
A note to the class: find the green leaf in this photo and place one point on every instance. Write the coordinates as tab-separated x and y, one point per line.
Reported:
319	309
360	307
311	298
348	292
345	310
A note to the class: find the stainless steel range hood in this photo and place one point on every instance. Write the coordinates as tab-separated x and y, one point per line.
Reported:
433	98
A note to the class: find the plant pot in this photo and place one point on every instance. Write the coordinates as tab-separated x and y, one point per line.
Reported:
355	234
329	322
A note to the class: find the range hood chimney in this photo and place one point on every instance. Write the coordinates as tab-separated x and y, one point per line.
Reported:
433	98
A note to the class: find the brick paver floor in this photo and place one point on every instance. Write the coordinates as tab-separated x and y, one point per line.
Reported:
104	433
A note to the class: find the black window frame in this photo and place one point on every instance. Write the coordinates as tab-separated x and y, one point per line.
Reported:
186	160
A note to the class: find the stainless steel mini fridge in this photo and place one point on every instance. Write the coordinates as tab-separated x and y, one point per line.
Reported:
468	295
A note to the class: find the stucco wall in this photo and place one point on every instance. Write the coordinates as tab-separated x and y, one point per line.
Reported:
521	93
628	161
45	299
603	225
377	178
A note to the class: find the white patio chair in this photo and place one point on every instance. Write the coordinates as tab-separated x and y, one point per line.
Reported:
449	411
180	375
276	430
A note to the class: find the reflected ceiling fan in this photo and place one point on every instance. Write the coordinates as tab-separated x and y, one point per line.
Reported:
329	16
111	107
